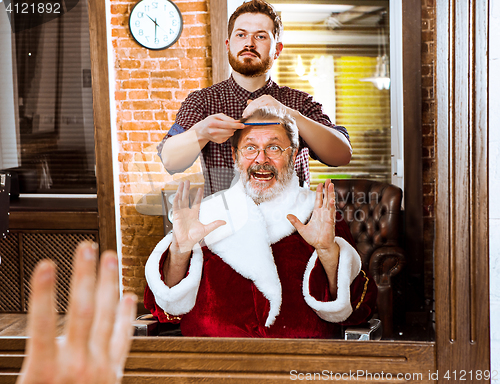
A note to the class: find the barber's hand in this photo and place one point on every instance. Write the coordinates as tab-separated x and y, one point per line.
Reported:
98	328
265	101
320	230
217	128
187	228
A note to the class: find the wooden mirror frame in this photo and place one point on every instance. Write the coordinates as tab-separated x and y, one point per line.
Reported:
461	239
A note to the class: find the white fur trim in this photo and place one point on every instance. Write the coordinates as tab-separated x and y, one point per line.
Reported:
244	243
349	267
179	299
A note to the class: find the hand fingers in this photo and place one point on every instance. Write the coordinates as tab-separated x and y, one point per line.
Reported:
326	193
177	197
81	307
295	222
198	197
319	197
41	346
123	330
184	203
106	301
213	226
225	122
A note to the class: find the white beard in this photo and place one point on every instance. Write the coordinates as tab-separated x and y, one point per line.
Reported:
258	195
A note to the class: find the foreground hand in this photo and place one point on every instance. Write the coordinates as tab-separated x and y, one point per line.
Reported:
187	228
98	328
217	128
264	101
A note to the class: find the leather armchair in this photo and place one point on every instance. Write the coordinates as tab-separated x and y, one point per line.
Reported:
373	211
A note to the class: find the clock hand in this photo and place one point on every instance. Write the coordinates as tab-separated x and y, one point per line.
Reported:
156	27
154	21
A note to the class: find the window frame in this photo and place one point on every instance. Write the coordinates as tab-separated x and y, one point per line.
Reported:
460	106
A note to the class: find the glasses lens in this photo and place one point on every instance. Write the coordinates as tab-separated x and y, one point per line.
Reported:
249	153
273	151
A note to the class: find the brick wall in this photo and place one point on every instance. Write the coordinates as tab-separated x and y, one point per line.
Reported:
150	86
428	139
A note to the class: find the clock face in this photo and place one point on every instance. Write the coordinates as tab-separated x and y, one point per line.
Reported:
155	24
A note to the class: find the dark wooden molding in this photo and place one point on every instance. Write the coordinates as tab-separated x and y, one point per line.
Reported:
102	124
412	105
461	244
53	220
238	361
218	32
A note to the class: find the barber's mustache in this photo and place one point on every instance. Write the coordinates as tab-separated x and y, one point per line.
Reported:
249	50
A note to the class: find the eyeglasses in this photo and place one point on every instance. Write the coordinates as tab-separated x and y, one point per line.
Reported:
272	151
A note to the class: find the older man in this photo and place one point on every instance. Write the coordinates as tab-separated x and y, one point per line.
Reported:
261	272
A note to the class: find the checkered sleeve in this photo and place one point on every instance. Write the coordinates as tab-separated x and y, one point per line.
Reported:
192	110
314	111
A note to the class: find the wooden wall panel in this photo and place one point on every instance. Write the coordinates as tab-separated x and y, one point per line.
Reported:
102	124
218	31
240	361
461	252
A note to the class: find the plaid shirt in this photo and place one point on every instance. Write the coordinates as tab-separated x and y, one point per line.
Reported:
229	98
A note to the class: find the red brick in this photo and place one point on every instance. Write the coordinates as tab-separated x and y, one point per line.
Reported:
130	64
120	32
169	64
137	136
120	95
119	9
126	43
124	116
134	84
149	64
140	126
122	75
141	105
131	147
139	74
172	52
138	95
144	115
164	84
192	7
119	20
161	115
177	74
122	136
163	95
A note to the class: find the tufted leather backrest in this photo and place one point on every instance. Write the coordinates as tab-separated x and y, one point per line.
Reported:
373	211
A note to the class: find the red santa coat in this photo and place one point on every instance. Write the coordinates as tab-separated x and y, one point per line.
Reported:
257	277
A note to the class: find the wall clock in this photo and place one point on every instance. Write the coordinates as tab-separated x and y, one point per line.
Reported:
155	24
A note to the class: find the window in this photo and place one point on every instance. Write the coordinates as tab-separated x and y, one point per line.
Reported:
340	55
49	116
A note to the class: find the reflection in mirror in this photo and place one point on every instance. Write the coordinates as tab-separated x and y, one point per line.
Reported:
345	55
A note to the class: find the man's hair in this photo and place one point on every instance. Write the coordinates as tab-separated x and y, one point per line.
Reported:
257	6
270	113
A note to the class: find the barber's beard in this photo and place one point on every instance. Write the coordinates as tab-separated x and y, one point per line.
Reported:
260	195
250	66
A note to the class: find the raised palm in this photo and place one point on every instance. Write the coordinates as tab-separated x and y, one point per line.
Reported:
319	232
187	228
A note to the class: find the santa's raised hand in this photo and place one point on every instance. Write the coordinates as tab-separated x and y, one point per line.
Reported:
319	232
187	232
